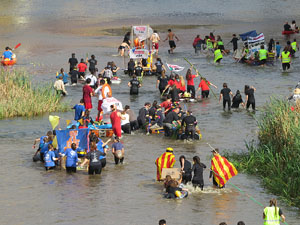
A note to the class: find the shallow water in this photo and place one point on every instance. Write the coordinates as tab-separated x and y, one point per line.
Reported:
128	193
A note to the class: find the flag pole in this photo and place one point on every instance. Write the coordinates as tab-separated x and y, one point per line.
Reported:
200	76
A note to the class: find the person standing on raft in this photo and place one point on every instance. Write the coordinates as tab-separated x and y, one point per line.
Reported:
166	160
272	214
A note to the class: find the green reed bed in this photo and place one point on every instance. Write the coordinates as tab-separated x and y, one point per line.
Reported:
276	159
20	98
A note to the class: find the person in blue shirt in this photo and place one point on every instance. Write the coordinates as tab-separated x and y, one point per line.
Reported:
41	141
118	150
7	54
63	75
47	141
79	110
72	158
102	147
278	47
49	158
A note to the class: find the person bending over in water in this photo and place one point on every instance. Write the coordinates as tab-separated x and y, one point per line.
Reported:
172	44
197	169
118	151
237	100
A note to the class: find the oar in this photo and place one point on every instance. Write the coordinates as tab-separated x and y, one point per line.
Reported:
200	76
17	46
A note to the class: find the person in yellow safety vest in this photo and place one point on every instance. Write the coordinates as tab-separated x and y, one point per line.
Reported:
262	53
220	43
218	55
209	43
166	160
295	46
285	59
272	214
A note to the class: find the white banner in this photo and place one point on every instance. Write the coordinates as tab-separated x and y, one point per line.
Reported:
107	102
142	32
175	68
138	53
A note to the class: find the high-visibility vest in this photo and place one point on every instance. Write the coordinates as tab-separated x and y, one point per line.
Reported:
247	51
209	43
271	218
220	43
294	46
262	54
218	55
285	57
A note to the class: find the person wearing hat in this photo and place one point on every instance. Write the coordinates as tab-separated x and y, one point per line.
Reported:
166	160
189	122
118	151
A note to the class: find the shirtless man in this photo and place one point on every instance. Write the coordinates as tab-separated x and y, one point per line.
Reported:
171	37
155	39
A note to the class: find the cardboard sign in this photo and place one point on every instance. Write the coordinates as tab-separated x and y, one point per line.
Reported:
138	53
173	172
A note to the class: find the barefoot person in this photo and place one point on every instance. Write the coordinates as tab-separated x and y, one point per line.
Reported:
155	39
171	37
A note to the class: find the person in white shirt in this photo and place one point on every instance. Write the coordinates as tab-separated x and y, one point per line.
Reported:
155	39
93	80
125	124
102	94
60	87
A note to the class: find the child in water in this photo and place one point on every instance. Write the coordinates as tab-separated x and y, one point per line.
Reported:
49	158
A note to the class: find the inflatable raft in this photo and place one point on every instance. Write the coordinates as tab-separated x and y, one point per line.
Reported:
8	62
289	32
115	80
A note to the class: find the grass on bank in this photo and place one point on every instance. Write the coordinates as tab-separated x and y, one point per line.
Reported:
276	159
20	98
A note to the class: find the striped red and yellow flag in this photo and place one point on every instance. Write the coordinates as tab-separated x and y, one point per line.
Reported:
223	170
166	160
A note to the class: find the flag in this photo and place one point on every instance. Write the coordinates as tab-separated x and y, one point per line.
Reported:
175	68
166	160
54	120
66	137
222	169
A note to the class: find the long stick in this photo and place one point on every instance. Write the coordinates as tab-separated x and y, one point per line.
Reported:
240	190
200	76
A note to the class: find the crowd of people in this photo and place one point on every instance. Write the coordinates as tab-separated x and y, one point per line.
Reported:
168	116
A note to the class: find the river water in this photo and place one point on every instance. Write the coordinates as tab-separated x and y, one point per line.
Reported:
128	194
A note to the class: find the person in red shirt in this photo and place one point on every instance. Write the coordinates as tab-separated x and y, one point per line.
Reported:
115	118
204	85
81	68
88	92
182	85
167	105
190	82
197	43
177	81
170	83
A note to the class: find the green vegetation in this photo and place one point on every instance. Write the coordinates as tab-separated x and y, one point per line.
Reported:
19	98
276	159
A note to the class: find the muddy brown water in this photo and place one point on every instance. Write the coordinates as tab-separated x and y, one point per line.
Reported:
51	30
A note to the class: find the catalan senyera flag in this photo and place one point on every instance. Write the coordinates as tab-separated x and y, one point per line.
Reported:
166	160
222	169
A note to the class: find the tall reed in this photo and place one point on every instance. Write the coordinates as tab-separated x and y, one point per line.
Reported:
276	159
20	98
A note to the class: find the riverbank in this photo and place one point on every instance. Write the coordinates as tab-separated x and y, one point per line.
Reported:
20	98
276	158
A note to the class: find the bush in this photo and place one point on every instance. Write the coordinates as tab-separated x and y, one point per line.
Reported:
19	98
